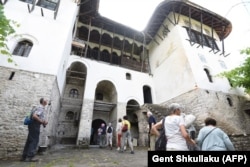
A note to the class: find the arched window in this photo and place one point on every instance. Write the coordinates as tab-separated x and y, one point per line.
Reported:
69	115
74	93
23	48
208	75
105	56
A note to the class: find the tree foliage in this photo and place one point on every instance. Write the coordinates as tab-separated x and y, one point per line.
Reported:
6	29
240	76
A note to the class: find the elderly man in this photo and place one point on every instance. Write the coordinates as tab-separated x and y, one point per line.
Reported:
34	132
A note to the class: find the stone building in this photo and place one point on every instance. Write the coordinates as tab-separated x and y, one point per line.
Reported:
94	70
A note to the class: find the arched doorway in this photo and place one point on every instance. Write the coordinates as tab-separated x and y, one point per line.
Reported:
94	127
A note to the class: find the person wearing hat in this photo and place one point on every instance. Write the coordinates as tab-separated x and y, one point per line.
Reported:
175	131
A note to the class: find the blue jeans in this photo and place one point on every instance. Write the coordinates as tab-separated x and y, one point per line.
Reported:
32	140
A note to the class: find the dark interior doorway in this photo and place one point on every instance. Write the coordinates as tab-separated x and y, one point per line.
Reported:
94	127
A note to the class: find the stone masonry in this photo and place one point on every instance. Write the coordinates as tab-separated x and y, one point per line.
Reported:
17	96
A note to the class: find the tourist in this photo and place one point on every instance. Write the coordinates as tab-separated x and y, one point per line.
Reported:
152	137
212	138
119	133
109	132
102	136
38	118
126	134
175	130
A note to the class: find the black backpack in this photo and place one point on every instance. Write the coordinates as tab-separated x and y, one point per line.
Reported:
160	144
109	129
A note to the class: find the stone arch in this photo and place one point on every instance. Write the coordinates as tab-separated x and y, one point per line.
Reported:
69	115
105	102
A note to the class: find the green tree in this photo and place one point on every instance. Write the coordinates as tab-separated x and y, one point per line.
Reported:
240	76
6	29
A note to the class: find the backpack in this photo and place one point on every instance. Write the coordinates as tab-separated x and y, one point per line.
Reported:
28	118
109	129
160	144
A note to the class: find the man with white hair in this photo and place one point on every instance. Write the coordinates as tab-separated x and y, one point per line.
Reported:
152	137
175	130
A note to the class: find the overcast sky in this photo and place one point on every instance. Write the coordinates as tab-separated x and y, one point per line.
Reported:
136	13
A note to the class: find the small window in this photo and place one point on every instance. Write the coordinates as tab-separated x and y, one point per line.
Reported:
128	76
208	75
23	48
74	93
69	115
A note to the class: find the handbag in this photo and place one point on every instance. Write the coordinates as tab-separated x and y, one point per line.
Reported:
125	128
160	144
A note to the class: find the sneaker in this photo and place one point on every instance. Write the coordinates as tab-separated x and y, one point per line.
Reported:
118	149
125	148
132	152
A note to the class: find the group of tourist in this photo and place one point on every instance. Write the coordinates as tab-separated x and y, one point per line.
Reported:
210	137
105	135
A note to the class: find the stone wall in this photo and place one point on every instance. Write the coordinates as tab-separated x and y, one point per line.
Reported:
17	96
241	142
203	103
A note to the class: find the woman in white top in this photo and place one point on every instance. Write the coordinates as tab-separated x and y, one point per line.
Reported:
175	130
119	133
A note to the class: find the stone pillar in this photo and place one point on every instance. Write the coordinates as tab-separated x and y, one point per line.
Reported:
85	120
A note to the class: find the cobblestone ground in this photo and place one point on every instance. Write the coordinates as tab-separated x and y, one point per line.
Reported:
92	157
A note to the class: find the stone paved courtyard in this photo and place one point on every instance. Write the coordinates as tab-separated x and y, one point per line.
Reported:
92	157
